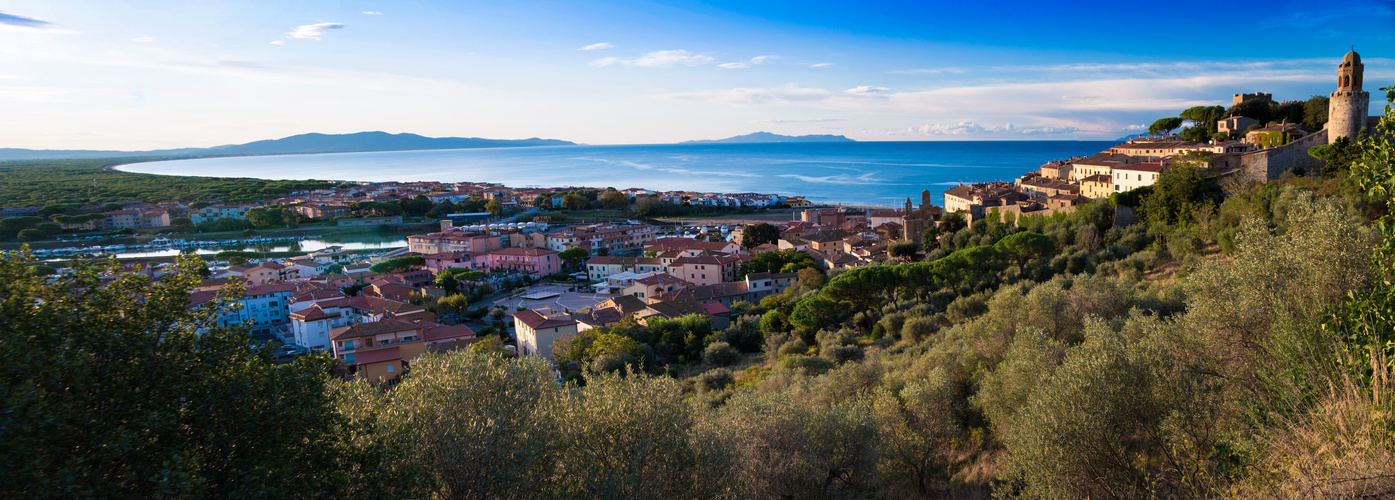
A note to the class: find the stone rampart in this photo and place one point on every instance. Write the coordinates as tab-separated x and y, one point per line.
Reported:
1268	164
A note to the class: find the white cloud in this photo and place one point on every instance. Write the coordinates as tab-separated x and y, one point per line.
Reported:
811	120
313	31
971	128
598	46
867	89
961	128
143	39
821	65
372	13
740	65
278	42
780	95
926	71
658	59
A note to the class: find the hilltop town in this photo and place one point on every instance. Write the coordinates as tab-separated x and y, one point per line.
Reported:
498	267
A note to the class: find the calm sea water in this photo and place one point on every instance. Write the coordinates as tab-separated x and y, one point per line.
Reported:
870	173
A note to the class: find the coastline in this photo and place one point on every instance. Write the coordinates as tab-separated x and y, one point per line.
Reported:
874	174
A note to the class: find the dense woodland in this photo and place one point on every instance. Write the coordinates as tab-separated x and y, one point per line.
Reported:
89	181
1235	341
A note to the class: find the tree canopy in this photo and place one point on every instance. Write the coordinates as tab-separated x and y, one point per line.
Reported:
754	235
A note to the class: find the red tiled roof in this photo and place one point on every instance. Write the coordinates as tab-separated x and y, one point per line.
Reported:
270	288
378	355
370	329
537	321
441	333
530	252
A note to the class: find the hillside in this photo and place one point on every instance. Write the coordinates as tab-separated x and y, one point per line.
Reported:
761	137
297	144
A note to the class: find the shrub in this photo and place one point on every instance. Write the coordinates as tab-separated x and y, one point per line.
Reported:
793	347
720	354
917	329
714	380
841	354
809	365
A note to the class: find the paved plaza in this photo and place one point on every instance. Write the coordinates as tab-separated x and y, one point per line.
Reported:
566	300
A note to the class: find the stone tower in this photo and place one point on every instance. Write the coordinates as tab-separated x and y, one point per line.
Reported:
925	199
1346	111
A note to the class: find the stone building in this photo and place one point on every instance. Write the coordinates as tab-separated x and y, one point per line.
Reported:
1346	112
915	221
1257	96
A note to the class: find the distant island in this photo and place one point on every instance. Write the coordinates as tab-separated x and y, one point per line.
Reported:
298	144
769	137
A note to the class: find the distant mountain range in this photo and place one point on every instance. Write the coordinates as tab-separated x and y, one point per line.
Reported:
297	144
769	137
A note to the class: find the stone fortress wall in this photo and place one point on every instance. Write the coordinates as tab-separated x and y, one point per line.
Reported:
1346	117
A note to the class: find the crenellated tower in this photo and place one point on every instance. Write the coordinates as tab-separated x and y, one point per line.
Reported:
1346	111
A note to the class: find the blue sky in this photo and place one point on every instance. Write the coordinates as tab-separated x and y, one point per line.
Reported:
155	74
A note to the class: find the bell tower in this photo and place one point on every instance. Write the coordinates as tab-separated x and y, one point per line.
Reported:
1346	109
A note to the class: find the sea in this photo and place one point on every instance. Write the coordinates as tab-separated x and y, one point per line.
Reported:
850	173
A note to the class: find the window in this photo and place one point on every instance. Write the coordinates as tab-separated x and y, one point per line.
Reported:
389	368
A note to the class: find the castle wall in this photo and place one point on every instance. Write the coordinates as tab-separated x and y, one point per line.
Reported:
1267	164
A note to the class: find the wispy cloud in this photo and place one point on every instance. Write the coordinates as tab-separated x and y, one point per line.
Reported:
821	65
372	13
278	42
971	128
23	22
313	31
598	46
867	89
778	95
811	120
658	59
741	65
143	39
926	71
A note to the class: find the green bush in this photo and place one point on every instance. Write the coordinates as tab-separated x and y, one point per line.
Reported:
720	354
809	365
714	380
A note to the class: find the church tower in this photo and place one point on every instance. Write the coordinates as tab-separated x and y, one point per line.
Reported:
1346	110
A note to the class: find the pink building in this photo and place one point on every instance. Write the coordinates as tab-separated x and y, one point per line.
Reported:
537	262
438	262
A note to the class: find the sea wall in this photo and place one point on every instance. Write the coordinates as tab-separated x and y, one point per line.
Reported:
1270	163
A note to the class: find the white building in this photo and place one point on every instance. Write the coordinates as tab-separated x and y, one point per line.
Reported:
311	325
1137	175
537	330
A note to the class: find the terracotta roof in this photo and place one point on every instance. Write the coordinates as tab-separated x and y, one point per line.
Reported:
319	294
530	252
706	259
600	317
393	353
313	313
659	279
537	321
712	308
270	288
708	292
676	308
1151	166
443	333
371	329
